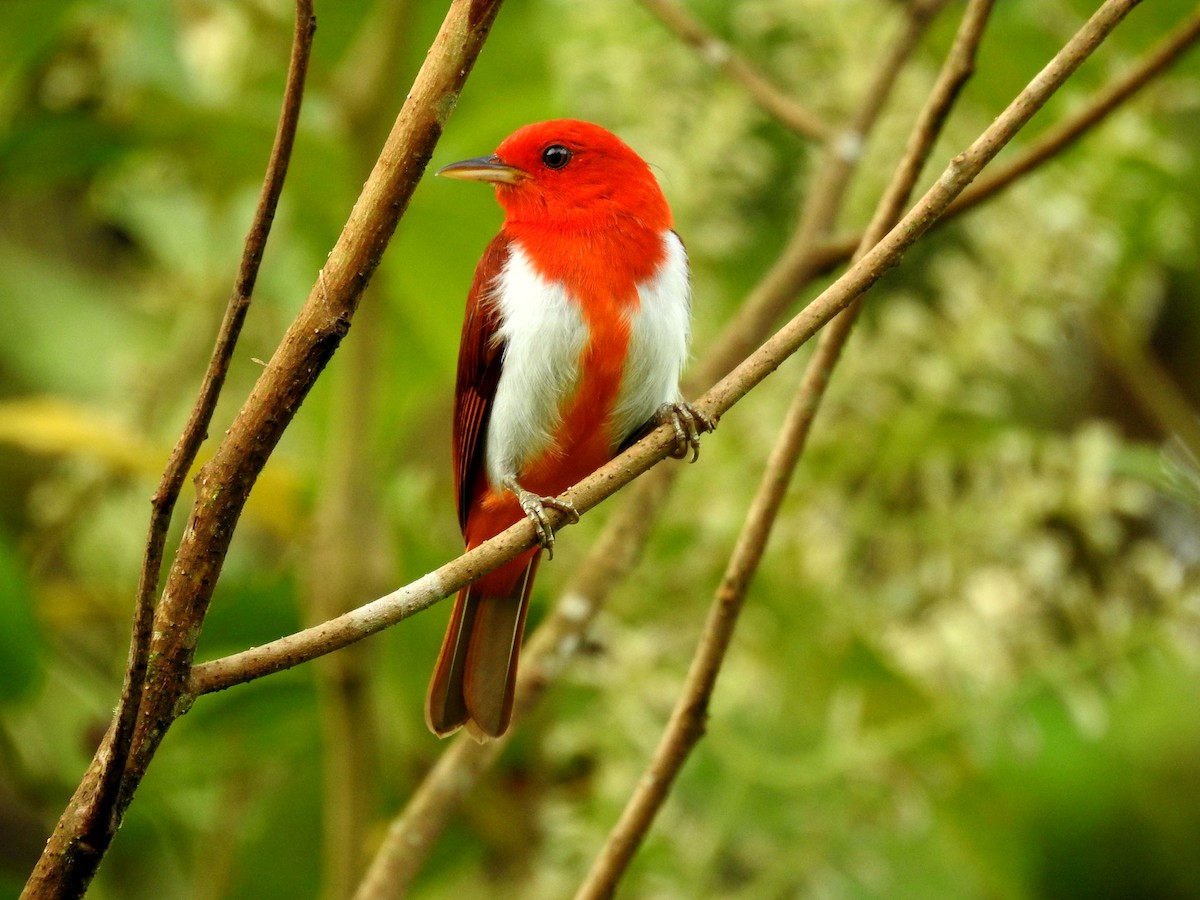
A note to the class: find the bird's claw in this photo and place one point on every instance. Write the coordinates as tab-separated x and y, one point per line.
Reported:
689	423
535	508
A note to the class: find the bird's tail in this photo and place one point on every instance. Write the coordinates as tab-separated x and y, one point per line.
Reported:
476	671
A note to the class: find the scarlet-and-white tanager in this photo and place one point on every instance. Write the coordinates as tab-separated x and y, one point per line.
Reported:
575	336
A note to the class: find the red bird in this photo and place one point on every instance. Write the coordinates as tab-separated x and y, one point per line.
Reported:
575	335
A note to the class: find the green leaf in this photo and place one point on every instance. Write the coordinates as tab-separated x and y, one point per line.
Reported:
21	641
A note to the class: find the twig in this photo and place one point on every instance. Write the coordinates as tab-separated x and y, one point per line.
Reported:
1058	139
794	268
1145	378
1066	134
884	255
687	722
224	483
98	823
720	55
428	813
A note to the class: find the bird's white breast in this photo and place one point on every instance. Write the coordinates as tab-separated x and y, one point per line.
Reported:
545	334
659	332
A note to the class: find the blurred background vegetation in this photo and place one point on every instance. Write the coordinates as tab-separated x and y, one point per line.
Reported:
970	664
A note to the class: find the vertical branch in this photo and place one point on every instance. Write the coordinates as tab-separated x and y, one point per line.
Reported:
98	825
686	725
224	483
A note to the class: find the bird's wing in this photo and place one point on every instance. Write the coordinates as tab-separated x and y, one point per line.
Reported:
479	358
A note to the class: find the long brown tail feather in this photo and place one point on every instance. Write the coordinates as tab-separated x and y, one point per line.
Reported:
445	711
476	671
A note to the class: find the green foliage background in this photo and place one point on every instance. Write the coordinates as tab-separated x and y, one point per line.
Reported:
969	666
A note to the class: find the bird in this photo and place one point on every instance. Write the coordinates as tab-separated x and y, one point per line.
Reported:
574	340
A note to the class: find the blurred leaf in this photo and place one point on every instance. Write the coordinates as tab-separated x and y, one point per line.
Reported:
53	426
21	644
57	427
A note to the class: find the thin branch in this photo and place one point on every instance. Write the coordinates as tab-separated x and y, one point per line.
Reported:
1145	378
795	266
1067	133
720	55
224	483
99	818
1055	141
687	722
884	255
411	837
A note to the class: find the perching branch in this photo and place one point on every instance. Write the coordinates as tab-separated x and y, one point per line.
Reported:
224	483
687	721
295	649
829	187
719	54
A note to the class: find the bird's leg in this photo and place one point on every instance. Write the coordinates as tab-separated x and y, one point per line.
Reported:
689	423
535	508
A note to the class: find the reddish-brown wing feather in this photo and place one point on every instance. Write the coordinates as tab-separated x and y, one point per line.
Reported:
479	358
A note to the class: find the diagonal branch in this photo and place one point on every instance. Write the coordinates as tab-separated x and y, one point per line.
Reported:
720	55
1058	139
1055	141
795	266
687	721
962	169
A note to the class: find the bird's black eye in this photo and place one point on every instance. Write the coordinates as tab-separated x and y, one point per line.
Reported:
556	156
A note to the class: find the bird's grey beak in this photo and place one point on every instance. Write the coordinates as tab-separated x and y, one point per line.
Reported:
483	168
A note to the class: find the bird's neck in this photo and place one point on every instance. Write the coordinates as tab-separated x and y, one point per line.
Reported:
586	255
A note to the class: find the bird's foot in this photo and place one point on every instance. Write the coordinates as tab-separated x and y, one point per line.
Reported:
689	423
535	508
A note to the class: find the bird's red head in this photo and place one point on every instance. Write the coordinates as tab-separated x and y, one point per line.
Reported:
567	174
